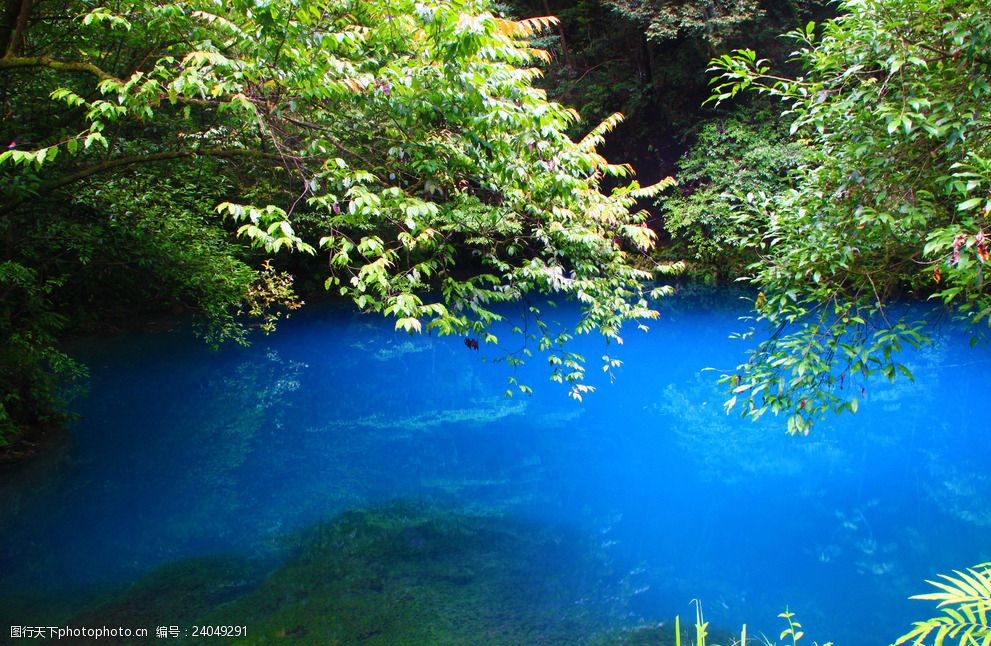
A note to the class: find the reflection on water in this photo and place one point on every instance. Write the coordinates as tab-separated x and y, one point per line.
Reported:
336	479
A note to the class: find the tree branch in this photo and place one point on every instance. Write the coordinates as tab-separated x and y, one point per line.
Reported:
333	140
11	61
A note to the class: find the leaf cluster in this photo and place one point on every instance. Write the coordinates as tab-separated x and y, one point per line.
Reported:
714	21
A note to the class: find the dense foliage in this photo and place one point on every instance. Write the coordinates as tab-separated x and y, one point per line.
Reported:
892	202
746	152
405	140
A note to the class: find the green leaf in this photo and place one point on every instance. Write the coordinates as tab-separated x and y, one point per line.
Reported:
970	204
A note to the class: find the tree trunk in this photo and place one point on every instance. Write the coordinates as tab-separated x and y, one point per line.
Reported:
564	43
14	26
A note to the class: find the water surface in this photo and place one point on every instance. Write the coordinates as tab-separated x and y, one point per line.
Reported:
613	512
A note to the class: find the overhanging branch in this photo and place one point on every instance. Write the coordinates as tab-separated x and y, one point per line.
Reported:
11	61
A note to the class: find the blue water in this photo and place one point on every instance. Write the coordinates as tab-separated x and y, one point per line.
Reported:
181	452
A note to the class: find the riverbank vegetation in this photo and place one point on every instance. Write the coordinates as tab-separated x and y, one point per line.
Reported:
410	156
891	202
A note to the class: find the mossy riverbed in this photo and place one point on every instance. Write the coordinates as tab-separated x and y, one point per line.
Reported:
402	573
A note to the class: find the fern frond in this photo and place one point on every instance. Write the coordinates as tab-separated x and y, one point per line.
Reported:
219	21
596	137
965	600
356	85
619	170
539	54
533	26
201	58
525	28
970	587
571	115
646	192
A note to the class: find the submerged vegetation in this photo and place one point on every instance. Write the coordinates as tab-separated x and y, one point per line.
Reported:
401	573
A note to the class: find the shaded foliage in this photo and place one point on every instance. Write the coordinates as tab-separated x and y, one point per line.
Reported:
648	61
31	365
712	21
745	153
